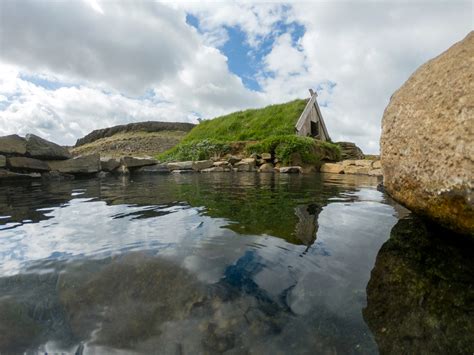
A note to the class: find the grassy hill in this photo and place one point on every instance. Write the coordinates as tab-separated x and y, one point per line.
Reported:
267	130
250	125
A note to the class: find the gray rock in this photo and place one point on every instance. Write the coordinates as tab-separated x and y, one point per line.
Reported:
12	145
132	162
102	174
6	174
202	164
87	164
27	164
290	170
3	161
109	164
233	160
37	147
243	166
267	168
266	156
180	165
153	169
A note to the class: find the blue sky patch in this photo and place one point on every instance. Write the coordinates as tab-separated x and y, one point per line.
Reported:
246	61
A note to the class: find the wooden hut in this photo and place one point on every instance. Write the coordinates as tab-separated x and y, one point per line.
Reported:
311	122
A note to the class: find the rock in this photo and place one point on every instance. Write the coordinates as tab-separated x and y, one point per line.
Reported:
250	161
27	164
427	149
377	165
87	164
266	168
180	165
157	168
350	151
358	170
375	172
12	145
290	170
202	164
254	156
215	169
179	171
332	168
348	162
6	174
233	160
247	164
3	161
123	170
109	164
266	156
37	147
132	162
221	163
363	162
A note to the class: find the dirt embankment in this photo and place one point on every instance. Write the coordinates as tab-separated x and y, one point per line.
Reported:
138	139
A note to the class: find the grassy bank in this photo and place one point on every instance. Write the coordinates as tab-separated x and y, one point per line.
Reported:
267	130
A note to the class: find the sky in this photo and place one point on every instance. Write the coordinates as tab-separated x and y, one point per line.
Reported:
69	67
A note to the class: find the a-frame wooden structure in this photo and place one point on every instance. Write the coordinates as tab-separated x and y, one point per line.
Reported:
311	122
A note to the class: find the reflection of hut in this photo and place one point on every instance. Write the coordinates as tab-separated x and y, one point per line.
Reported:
311	123
307	225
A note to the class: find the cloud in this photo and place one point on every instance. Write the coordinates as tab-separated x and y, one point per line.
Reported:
69	67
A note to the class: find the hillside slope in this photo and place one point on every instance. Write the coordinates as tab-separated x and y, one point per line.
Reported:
138	139
250	125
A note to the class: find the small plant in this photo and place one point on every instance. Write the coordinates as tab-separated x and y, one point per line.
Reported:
196	150
286	147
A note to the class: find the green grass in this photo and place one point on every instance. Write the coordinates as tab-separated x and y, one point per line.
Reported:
267	130
250	125
291	149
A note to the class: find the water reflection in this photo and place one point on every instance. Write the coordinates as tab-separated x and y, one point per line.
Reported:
242	263
420	298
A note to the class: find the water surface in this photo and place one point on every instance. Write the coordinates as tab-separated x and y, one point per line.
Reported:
227	263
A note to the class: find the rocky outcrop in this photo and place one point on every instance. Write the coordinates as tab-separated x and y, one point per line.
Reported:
24	164
109	164
151	126
88	164
350	151
39	148
420	293
354	167
427	148
12	145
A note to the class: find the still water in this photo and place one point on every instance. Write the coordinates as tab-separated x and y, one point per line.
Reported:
227	263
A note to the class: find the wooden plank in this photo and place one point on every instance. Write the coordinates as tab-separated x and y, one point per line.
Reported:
306	111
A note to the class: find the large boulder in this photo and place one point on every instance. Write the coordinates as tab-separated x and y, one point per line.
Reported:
12	145
427	148
87	164
109	164
37	147
27	164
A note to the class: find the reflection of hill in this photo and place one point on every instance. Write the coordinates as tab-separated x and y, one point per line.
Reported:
420	298
285	207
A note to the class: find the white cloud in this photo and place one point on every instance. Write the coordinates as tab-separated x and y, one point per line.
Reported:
112	55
